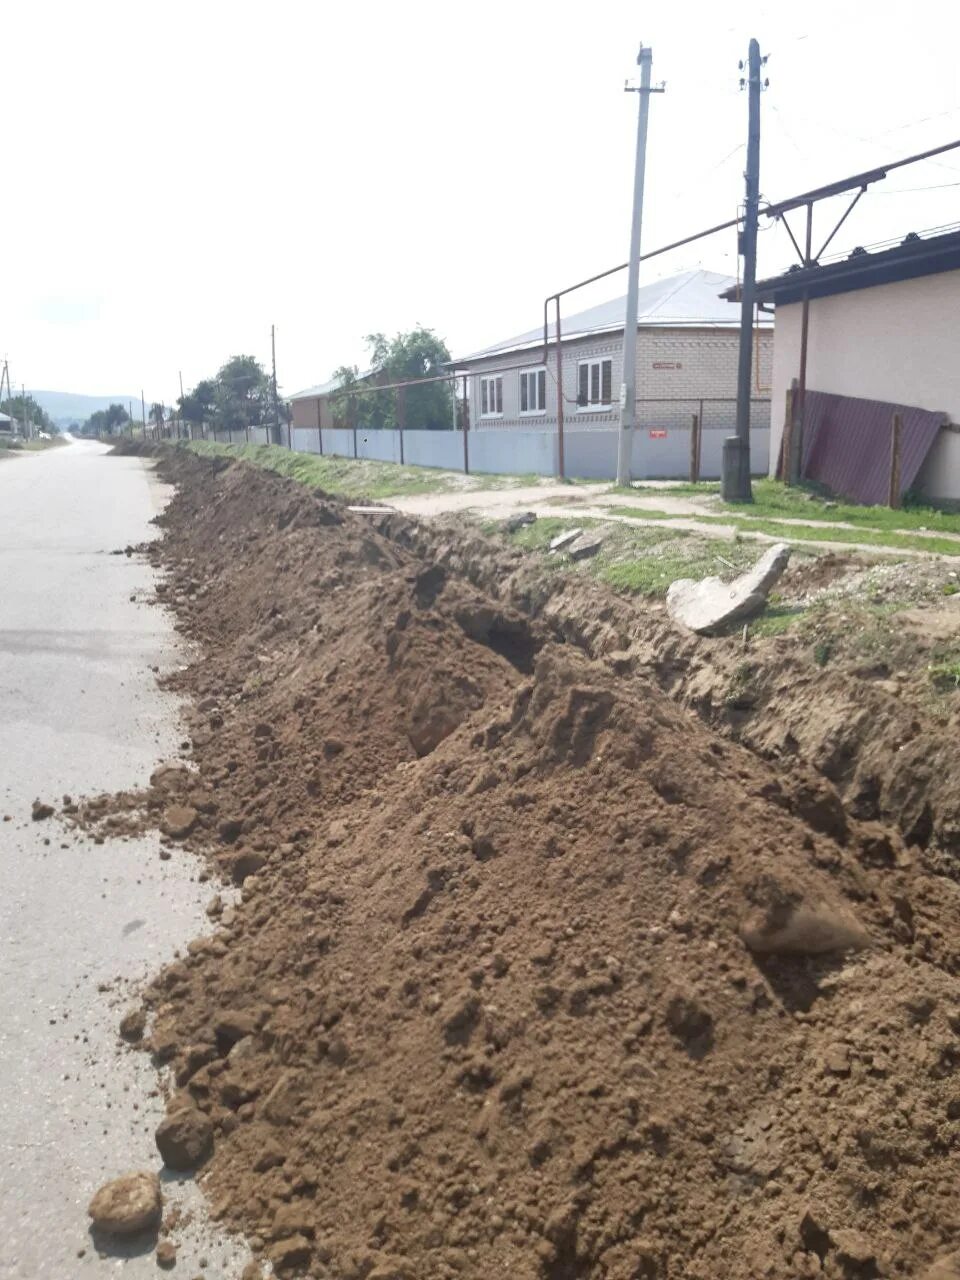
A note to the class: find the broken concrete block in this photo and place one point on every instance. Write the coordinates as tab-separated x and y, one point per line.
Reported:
563	540
706	605
584	548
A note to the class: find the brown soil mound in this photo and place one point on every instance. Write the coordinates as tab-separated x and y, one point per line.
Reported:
488	1005
890	755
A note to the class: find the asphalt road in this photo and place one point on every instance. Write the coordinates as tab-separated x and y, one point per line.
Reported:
81	924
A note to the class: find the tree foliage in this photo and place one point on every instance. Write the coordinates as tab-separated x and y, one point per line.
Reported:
158	414
240	395
196	407
403	358
14	408
106	421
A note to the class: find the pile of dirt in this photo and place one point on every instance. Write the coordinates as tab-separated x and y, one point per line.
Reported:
867	726
533	974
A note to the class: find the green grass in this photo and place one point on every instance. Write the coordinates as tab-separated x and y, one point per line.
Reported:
863	535
771	499
637	560
356	478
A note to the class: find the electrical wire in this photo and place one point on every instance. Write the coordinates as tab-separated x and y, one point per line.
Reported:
904	191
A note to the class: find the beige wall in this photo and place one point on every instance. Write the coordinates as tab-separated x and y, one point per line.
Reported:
896	342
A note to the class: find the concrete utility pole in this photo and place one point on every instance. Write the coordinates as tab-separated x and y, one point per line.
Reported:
735	486
276	402
628	387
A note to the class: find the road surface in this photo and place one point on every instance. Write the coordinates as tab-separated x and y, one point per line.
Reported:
81	924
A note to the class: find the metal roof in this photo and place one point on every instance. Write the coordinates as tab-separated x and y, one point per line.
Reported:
916	255
688	300
325	388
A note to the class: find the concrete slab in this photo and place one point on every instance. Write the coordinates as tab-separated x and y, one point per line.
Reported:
711	603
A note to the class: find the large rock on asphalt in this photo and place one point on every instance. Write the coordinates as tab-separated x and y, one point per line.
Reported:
710	603
128	1205
185	1138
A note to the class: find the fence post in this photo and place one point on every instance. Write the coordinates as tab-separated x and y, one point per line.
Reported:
401	416
561	461
896	433
466	428
695	449
355	434
786	444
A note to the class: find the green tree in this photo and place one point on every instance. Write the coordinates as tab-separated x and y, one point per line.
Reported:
243	396
14	406
403	358
106	421
197	406
158	414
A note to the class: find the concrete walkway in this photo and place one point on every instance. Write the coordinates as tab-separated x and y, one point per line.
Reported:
80	923
597	502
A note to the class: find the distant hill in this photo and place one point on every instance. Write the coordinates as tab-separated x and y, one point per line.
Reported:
65	407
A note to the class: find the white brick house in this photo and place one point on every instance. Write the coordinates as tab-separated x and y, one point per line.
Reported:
687	352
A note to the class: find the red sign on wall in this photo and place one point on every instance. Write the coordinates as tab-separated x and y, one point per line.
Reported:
658	435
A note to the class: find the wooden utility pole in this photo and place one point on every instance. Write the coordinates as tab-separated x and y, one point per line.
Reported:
736	466
143	413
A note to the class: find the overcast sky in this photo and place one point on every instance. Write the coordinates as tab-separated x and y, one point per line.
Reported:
177	177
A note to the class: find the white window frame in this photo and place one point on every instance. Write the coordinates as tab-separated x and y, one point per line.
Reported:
484	396
600	405
537	376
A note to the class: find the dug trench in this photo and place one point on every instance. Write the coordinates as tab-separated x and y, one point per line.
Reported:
533	973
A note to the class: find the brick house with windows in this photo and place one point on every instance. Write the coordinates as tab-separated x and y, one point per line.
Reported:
687	352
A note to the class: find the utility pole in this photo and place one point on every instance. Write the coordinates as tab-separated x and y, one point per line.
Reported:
276	402
26	416
180	410
735	486
143	413
628	387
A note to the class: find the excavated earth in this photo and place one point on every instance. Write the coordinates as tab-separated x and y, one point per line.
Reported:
534	973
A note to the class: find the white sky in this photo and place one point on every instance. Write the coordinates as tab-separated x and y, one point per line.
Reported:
179	176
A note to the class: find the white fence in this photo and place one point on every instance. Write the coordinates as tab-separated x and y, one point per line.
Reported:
658	454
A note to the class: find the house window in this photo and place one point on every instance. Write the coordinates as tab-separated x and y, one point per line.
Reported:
491	397
594	384
533	391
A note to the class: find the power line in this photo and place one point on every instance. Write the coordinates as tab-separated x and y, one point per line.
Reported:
903	191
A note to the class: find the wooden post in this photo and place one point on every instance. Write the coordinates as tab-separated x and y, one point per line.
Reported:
797	412
694	450
895	445
786	444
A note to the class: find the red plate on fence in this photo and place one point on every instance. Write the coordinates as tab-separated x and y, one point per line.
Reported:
658	435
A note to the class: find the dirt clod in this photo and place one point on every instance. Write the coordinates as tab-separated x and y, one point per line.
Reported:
166	1255
184	1138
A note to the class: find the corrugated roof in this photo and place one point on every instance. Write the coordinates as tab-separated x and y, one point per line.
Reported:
325	388
691	298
